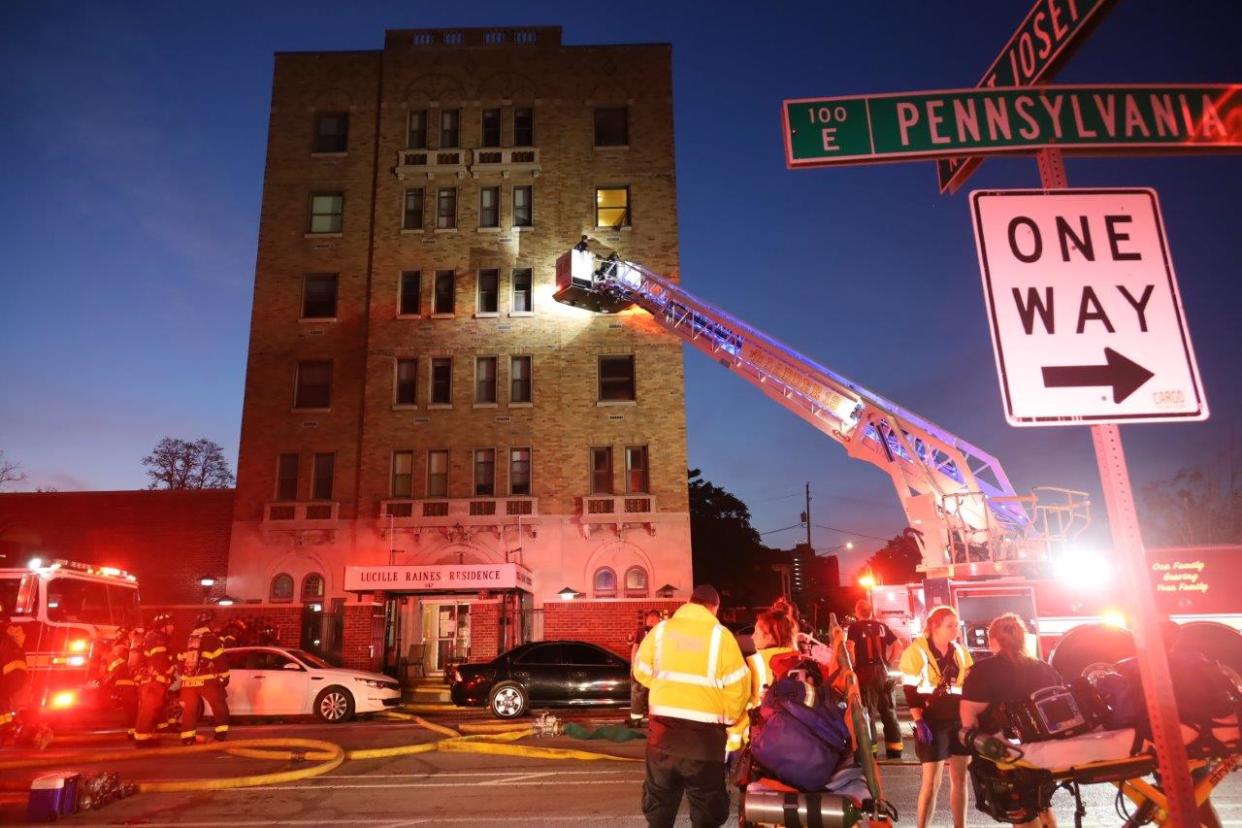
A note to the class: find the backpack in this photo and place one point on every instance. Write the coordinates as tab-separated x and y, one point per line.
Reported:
799	744
1202	690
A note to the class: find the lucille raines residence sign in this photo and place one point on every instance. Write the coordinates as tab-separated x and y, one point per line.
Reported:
1169	118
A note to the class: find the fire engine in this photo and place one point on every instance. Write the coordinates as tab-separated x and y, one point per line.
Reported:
69	612
986	549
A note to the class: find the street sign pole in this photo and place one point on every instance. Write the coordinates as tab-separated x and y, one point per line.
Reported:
1153	661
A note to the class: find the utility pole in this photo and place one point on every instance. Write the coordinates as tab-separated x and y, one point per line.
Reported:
806	516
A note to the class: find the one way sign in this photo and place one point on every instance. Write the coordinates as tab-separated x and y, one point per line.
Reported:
1085	314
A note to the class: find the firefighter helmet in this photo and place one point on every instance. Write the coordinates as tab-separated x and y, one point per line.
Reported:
204	618
164	619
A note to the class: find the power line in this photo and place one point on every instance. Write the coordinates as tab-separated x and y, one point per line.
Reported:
848	532
785	529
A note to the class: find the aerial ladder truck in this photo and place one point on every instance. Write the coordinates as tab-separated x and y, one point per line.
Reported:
970	521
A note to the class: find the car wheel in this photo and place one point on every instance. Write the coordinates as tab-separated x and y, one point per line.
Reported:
334	705
508	700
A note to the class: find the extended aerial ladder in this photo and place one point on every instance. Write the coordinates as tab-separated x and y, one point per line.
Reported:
957	496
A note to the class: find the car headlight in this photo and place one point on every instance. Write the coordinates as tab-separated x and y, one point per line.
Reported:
378	685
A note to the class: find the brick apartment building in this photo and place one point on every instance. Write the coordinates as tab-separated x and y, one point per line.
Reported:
434	451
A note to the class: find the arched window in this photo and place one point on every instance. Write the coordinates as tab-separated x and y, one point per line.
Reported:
636	582
605	583
282	587
312	588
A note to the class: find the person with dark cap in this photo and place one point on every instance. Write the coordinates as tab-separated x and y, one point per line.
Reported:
154	676
699	685
204	676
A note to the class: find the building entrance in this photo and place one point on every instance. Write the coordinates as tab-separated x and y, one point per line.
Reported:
446	631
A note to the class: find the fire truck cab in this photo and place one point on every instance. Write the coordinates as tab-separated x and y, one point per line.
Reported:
69	612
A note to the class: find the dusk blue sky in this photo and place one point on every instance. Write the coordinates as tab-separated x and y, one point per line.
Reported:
133	152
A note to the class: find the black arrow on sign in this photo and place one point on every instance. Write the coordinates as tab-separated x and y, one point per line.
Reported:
1124	375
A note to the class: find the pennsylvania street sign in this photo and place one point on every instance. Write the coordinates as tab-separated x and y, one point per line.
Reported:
1038	48
1086	319
1169	118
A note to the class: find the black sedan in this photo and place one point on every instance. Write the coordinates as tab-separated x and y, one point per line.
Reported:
543	674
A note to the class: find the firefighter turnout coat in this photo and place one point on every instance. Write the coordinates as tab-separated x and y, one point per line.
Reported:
693	668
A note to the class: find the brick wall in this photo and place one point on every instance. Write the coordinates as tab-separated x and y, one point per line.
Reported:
606	623
168	539
484	630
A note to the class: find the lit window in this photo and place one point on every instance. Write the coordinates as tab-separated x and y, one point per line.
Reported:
446	209
403	474
489	291
312	587
332	132
325	473
411	294
489	207
412	218
485	380
484	472
523	208
314	385
635	582
282	587
616	378
636	476
442	381
319	296
601	470
491	128
445	292
604	583
326	211
417	136
612	127
405	391
522	291
287	477
519	379
450	128
519	471
524	127
612	207
437	473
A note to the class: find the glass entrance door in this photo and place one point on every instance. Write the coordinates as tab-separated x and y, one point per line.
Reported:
446	630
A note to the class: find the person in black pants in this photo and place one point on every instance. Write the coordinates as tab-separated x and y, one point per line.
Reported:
871	644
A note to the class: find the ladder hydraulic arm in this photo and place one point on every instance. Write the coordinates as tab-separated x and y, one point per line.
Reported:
955	494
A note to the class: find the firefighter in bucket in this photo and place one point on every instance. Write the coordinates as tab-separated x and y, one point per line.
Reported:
204	677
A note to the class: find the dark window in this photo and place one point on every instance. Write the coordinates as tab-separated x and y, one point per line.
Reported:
485	379
636	477
325	472
491	128
519	379
332	132
616	378
519	471
542	654
312	587
484	472
601	470
635	582
70	599
450	128
523	207
612	207
522	291
585	654
269	660
314	385
604	584
403	474
236	659
412	219
489	207
437	473
417	137
282	587
489	291
406	391
326	211
287	477
445	290
411	299
319	296
446	209
524	127
612	127
442	381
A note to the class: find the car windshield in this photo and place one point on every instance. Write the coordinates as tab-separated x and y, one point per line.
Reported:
311	659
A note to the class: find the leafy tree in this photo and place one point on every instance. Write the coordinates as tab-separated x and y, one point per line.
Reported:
1194	507
181	464
897	561
10	472
725	546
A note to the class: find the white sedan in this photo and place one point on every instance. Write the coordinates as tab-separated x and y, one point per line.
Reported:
280	681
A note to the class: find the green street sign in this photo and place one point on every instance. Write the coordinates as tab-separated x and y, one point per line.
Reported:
911	126
1043	41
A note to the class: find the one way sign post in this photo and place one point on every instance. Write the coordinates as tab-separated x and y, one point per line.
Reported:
1086	318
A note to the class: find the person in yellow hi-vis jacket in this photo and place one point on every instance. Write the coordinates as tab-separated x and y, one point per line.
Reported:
933	669
774	635
699	685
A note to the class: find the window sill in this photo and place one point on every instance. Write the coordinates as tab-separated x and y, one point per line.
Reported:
445	230
403	407
606	147
313	319
409	316
523	228
439	406
443	316
310	410
330	154
521	405
491	228
486	315
611	403
625	228
485	405
521	313
336	235
412	231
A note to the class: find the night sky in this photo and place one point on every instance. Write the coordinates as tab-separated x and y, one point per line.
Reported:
133	151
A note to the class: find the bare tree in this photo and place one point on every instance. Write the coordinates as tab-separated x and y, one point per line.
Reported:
182	464
10	472
1195	507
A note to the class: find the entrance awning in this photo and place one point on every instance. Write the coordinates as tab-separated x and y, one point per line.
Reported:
442	578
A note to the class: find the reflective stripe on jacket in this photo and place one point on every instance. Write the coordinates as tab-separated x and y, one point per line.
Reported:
920	670
693	668
203	658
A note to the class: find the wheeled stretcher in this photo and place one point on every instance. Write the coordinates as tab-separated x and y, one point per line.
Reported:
1009	775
